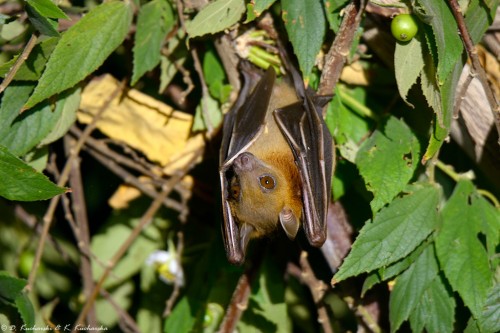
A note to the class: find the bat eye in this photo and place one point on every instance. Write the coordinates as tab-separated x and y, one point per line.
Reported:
267	182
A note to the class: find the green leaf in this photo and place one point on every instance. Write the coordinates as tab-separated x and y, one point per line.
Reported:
443	119
154	21
267	310
489	320
22	132
305	25
25	309
387	161
410	287
408	63
45	25
32	68
461	254
215	17
21	182
479	17
109	239
83	48
256	8
347	126
212	114
215	77
444	27
122	296
392	270
333	9
47	8
66	108
10	287
435	311
37	158
394	233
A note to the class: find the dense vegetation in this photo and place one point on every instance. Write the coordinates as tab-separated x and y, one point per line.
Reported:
110	121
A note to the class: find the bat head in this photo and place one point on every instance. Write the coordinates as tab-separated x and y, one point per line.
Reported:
263	194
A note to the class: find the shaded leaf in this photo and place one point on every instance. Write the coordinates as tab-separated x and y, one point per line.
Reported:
32	68
489	320
410	287
21	182
216	16
305	24
408	63
387	161
256	8
436	310
154	21
461	255
25	309
22	132
394	233
45	25
444	27
83	48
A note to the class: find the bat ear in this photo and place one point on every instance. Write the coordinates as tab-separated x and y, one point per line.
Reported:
289	222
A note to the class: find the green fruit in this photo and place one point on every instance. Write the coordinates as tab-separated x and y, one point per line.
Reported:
404	27
25	263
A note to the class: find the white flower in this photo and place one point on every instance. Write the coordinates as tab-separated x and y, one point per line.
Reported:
168	266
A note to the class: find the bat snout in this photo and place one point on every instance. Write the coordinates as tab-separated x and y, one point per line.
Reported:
244	162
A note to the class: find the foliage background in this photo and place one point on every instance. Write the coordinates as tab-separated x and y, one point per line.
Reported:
120	103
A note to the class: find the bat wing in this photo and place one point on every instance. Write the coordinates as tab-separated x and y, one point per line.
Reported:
242	126
311	144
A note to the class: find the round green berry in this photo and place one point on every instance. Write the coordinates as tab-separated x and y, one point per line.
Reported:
404	27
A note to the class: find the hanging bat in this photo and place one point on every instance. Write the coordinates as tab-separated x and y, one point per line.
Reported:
276	163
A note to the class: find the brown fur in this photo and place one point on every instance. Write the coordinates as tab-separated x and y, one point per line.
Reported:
259	208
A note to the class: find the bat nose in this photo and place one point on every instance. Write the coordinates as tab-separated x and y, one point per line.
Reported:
244	162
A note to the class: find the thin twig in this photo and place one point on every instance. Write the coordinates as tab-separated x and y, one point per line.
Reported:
20	60
127	323
81	229
143	223
205	94
49	214
339	51
317	288
477	69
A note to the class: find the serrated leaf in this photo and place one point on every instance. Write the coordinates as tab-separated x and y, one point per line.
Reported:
25	309
306	25
47	8
444	27
45	25
391	271
23	132
411	286
83	48
435	311
428	84
21	182
215	17
408	63
461	254
10	287
387	161
154	21
393	234
443	119
489	321
479	17
32	68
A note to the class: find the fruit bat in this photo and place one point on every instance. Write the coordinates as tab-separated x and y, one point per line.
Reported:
276	163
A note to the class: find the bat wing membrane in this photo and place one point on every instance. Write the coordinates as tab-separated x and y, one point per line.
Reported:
242	126
311	144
